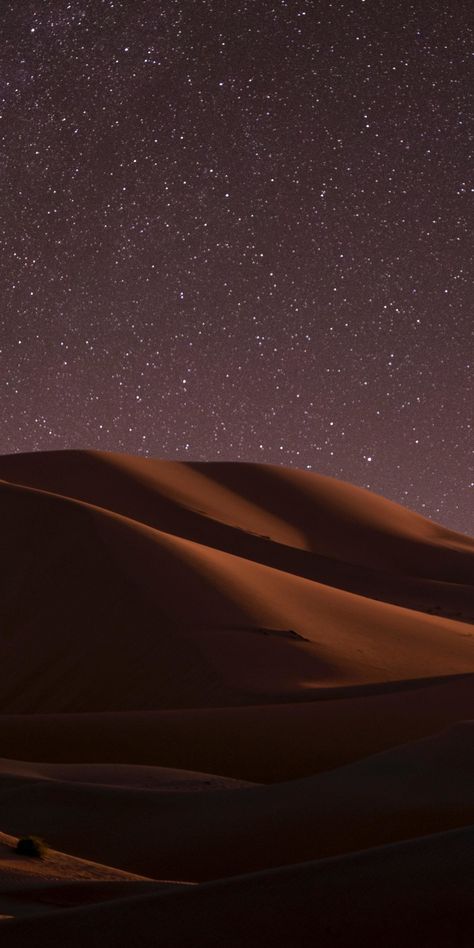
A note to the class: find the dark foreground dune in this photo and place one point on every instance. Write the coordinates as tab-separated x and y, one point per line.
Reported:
252	678
415	893
206	832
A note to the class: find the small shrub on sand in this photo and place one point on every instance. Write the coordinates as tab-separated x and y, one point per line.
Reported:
32	846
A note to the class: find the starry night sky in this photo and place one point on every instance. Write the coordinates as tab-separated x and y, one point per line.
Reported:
241	230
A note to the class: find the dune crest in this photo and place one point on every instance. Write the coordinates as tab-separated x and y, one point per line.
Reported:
213	670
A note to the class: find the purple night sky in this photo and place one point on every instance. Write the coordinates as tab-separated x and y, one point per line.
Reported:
241	230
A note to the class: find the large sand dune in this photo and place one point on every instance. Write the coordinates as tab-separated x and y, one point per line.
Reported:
209	628
173	634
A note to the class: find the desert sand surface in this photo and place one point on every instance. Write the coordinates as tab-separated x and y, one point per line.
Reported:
14	773
411	893
30	886
426	785
255	682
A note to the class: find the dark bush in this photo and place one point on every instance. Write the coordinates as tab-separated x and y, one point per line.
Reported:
32	846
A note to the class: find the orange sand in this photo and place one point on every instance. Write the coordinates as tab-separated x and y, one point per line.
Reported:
215	670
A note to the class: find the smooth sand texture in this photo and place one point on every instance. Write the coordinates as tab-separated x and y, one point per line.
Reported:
257	743
18	871
416	893
15	772
427	785
216	670
30	886
209	628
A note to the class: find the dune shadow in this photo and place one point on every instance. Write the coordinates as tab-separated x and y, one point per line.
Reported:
327	528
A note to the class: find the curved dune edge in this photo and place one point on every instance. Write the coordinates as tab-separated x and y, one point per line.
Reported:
227	669
260	744
424	786
243	632
294	507
19	871
133	777
366	898
188	500
58	881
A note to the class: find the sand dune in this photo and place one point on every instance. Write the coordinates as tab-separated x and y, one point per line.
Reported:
271	515
420	787
243	632
216	669
257	743
14	772
19	871
413	893
296	507
32	887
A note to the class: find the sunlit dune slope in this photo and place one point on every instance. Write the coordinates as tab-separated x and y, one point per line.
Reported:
18	872
239	673
102	612
291	507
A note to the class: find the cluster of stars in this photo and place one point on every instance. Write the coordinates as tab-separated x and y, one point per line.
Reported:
241	231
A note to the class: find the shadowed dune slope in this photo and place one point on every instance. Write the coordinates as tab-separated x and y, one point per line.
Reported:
212	502
263	743
15	772
420	787
413	893
34	887
187	625
236	675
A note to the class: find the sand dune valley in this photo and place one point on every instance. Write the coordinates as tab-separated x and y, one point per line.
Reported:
237	702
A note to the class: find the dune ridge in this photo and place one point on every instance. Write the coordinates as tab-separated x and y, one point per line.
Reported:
333	636
243	667
210	832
